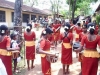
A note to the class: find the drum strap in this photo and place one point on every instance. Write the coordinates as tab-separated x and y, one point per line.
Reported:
65	36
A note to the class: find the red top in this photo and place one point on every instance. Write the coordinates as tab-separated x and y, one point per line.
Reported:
29	37
81	35
96	30
55	26
90	44
67	39
78	30
5	43
45	44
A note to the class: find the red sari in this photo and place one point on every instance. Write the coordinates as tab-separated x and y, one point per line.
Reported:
77	33
6	56
56	33
66	56
30	45
90	57
46	66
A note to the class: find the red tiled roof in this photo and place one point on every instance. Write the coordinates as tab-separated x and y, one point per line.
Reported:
10	5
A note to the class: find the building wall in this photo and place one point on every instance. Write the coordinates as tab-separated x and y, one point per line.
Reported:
8	16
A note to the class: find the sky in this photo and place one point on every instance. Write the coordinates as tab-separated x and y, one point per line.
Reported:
45	4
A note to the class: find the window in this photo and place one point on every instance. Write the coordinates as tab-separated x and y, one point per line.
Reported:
33	17
2	16
12	16
40	17
26	18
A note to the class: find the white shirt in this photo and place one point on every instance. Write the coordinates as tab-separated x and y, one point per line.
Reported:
2	68
14	44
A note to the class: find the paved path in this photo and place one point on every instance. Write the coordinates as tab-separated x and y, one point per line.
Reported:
56	67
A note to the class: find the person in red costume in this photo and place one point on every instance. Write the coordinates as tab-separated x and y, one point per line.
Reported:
44	50
66	57
56	30
30	38
5	50
90	53
81	35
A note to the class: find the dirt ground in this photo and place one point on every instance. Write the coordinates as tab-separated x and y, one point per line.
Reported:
56	67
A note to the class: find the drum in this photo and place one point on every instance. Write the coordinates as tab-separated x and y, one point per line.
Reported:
80	57
76	45
52	59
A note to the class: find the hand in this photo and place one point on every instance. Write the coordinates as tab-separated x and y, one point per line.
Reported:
17	48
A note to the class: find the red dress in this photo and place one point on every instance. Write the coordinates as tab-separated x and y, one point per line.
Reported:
46	66
77	33
30	45
90	57
66	56
6	56
96	30
56	33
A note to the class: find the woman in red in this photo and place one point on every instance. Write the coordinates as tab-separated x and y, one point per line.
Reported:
45	50
5	50
30	38
78	30
81	35
56	30
66	57
90	54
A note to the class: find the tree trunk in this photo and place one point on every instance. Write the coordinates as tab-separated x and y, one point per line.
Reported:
73	9
18	14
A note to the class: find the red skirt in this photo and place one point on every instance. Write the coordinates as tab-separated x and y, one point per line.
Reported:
66	56
89	66
30	52
7	61
46	66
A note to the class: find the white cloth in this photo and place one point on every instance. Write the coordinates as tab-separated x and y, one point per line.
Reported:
2	68
14	44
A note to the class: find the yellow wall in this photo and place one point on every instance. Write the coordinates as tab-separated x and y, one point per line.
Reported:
9	15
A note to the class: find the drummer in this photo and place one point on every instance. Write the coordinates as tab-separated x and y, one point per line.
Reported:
90	54
66	57
45	50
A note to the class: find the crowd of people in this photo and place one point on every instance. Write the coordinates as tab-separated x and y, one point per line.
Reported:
84	33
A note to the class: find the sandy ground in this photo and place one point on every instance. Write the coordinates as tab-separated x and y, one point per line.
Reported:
56	67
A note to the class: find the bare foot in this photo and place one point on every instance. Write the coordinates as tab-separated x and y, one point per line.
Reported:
32	67
67	72
28	68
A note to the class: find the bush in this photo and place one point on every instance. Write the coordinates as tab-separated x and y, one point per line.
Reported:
98	19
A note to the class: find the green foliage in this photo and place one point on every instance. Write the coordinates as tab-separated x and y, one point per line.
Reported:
98	19
81	5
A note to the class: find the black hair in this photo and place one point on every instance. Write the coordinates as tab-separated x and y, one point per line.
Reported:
28	30
91	31
13	35
67	25
47	31
79	24
3	29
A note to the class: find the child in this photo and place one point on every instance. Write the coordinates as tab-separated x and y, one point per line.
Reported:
14	44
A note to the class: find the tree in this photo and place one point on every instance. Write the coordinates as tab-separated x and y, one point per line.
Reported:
18	15
30	2
74	4
55	6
